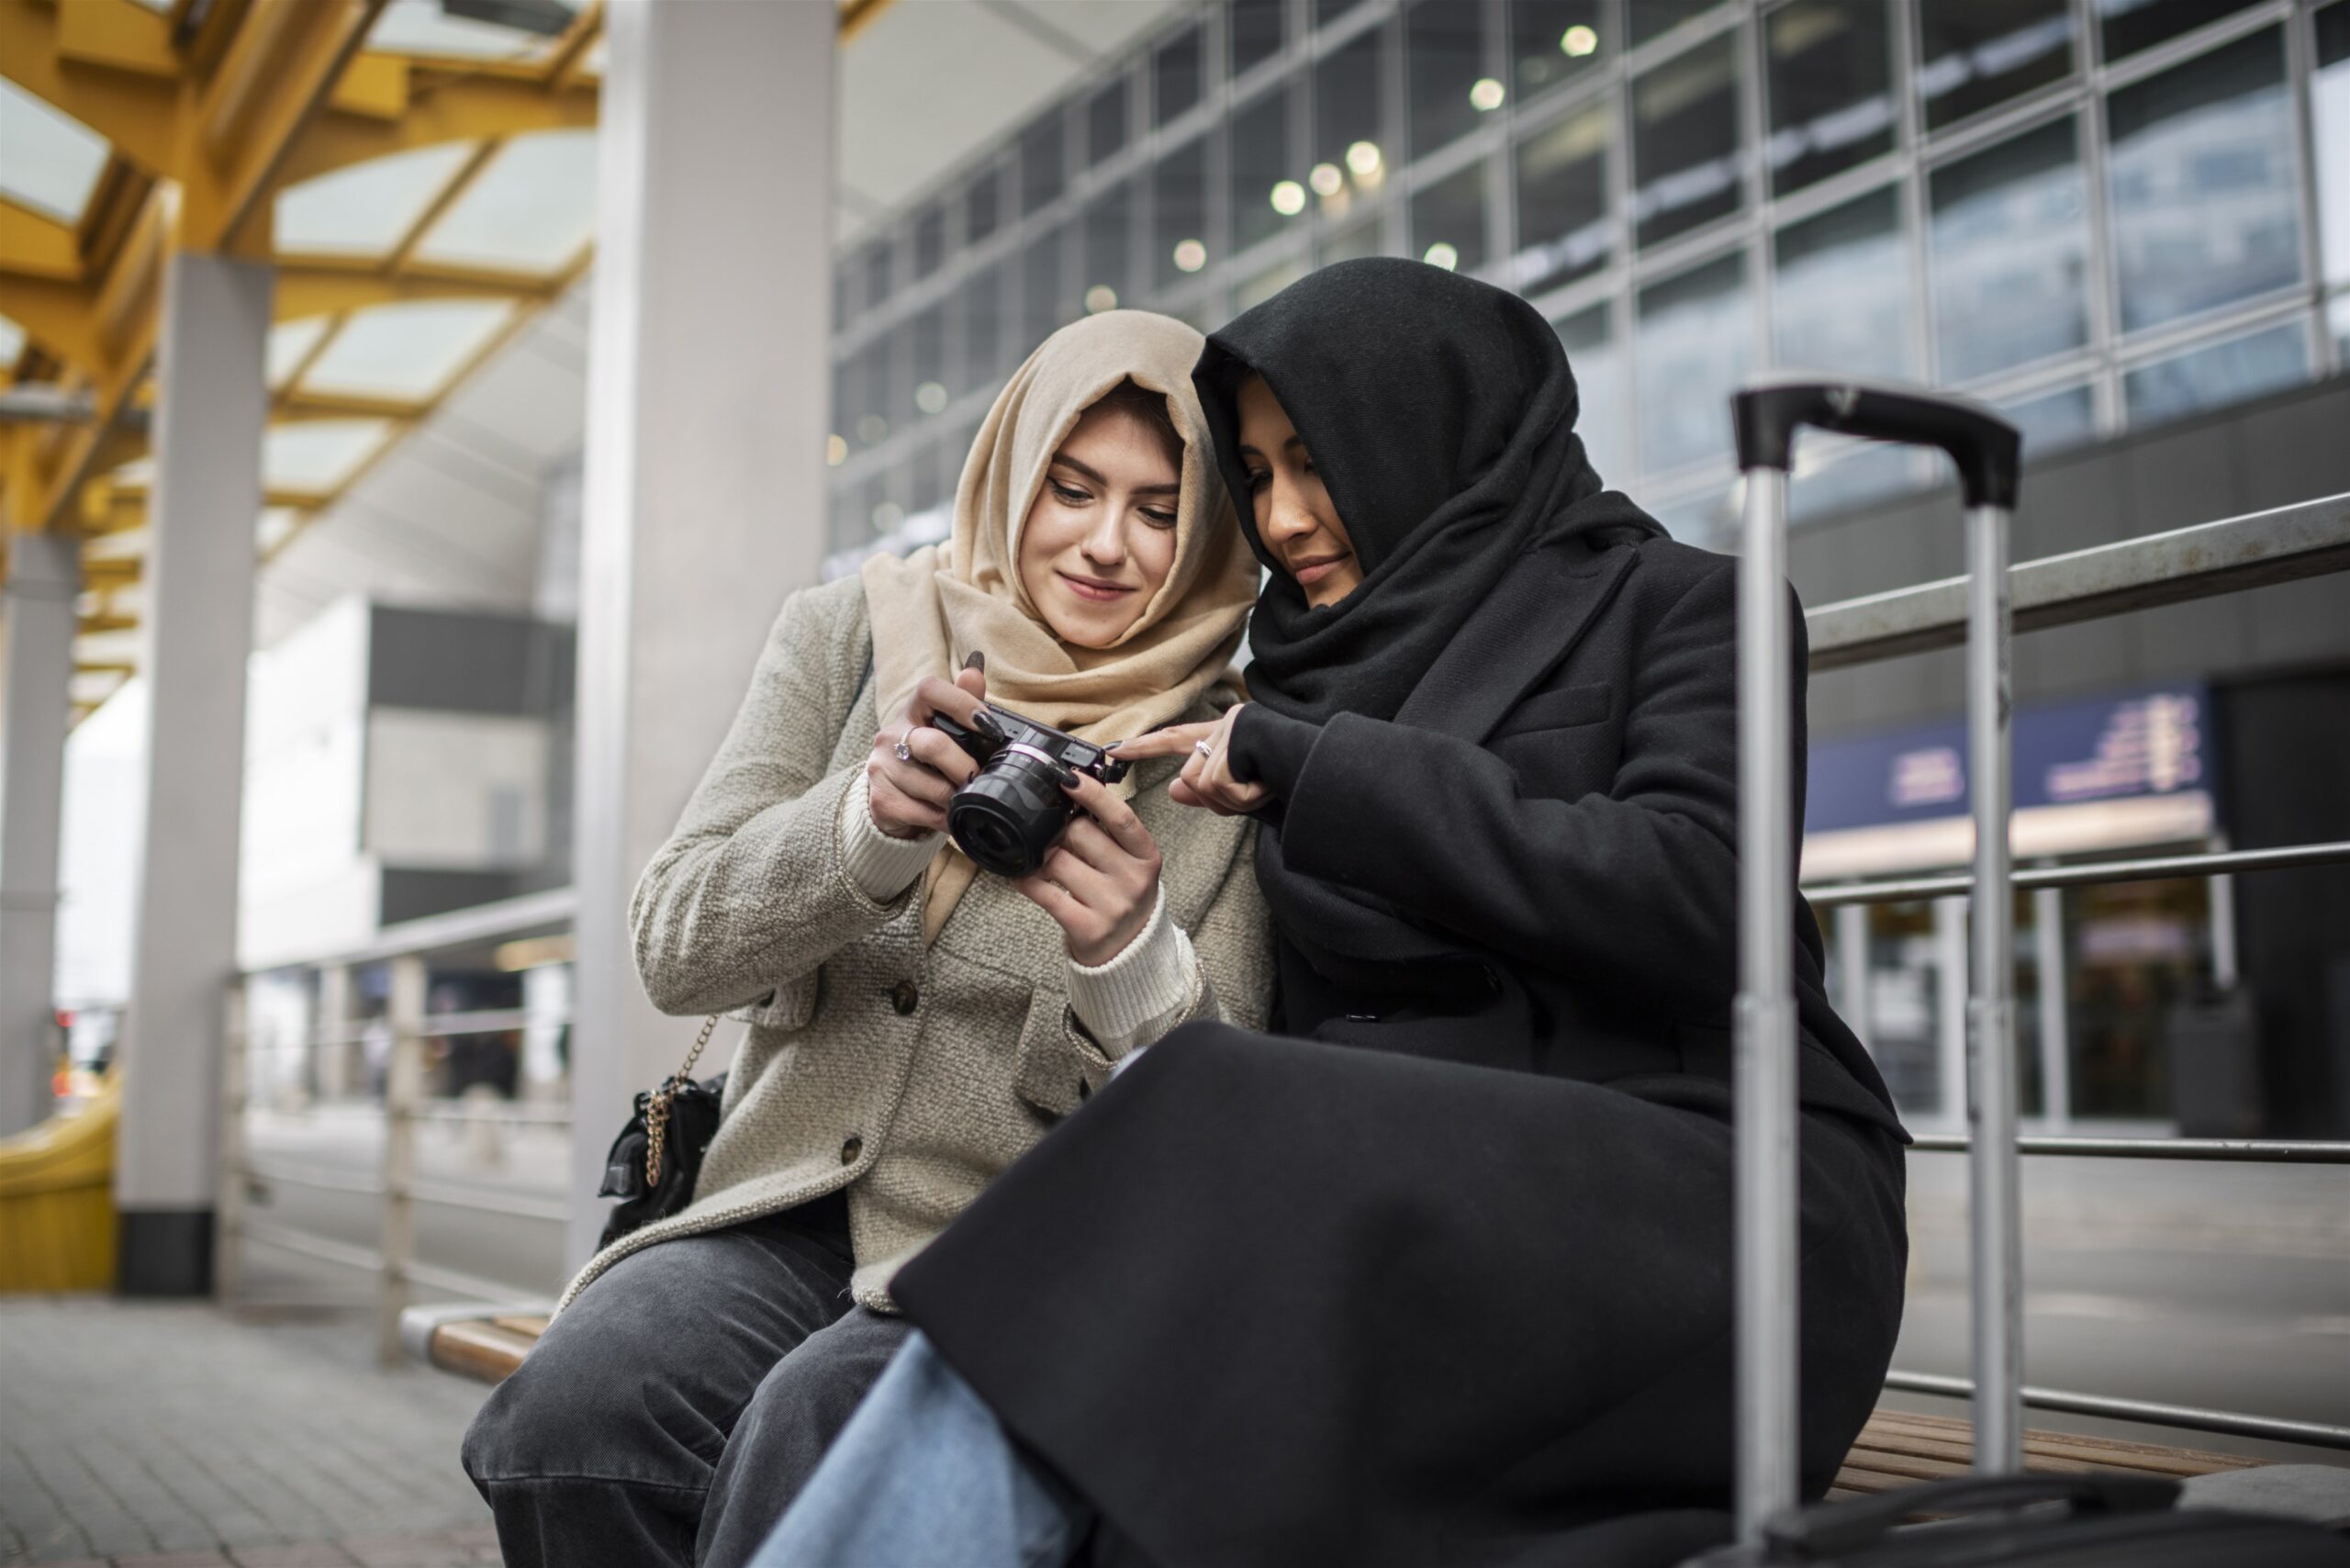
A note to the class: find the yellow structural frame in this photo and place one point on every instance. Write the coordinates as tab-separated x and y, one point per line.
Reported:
209	115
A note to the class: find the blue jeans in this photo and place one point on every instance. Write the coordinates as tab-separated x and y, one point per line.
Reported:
924	1477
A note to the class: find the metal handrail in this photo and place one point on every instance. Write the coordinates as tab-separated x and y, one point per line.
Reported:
2235	1422
2282	544
2083	873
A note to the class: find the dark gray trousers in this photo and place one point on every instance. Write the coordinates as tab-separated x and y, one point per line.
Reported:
674	1410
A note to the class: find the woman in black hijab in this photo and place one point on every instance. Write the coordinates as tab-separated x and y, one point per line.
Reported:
1446	1274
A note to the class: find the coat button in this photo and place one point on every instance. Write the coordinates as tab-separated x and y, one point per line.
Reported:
851	1150
904	996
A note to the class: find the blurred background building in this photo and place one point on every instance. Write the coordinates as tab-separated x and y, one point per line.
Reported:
541	416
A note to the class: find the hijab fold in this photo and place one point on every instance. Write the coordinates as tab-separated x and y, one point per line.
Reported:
1439	413
934	608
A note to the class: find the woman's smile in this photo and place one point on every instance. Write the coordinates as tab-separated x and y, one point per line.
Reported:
1314	569
1101	590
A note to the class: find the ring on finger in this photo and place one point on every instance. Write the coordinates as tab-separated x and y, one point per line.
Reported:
904	752
1203	748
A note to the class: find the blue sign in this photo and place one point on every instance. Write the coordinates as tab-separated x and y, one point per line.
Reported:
2145	742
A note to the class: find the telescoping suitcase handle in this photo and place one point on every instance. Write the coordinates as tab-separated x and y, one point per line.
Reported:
1987	450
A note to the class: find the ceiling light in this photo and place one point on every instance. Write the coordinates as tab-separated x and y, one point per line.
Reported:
835	451
1579	41
1486	95
930	397
1441	255
1289	198
1190	255
1325	180
1363	158
1100	297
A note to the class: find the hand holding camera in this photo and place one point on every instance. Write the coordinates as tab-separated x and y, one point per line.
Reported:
1024	801
914	769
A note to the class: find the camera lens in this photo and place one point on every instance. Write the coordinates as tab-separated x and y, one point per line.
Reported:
1007	817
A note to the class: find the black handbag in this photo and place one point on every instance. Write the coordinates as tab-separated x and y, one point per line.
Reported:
657	1160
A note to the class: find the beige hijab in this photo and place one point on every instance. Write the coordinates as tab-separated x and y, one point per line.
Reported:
932	609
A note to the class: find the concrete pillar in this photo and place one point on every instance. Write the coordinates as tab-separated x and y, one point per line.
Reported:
195	633
706	386
44	577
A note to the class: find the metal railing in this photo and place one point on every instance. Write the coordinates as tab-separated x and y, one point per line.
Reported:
2283	544
405	1029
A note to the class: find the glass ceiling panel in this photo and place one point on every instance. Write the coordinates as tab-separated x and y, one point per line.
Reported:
408	351
420	26
290	342
368	208
278	525
532	208
12	342
48	162
315	457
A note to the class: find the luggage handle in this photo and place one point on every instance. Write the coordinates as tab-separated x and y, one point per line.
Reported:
1987	452
1834	1529
1986	448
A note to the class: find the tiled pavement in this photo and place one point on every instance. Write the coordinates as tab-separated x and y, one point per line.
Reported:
171	1435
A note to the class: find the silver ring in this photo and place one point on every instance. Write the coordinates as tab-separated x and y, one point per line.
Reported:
905	753
1205	749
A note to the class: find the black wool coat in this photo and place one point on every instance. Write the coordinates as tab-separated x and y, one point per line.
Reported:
1452	1275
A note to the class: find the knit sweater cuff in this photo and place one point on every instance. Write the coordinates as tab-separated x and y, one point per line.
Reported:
1142	992
880	867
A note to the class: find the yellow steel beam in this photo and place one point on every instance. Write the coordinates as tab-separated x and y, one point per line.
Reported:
137	112
34	244
127	37
324	288
443	106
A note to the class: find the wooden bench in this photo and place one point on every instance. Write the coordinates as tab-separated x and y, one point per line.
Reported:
1896	1449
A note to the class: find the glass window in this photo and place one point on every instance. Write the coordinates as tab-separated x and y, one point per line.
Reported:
1043	161
2337	317
1831	89
2125	27
983	207
1176	75
2202	183
1444	53
2329	115
1850	478
1684	142
1254	291
1109	251
2008	247
1346	108
2051	421
928	389
1265	191
1841	296
54	160
1259	29
984	321
1551	41
930	241
1565	231
873	273
1654	18
1589	337
1351	243
869	390
1328	11
1981	52
1695	346
1449	220
1105	123
1044	304
2222	374
1178	202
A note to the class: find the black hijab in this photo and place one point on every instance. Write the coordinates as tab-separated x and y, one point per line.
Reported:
1440	412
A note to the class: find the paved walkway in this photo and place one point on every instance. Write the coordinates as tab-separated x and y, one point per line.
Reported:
171	1435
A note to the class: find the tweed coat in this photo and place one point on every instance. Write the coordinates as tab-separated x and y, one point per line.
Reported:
909	1076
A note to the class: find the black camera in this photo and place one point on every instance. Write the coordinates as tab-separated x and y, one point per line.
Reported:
1016	807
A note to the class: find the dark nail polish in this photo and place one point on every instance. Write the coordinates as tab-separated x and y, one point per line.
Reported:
978	661
986	723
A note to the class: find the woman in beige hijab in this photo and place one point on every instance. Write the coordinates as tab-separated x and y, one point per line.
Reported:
915	1024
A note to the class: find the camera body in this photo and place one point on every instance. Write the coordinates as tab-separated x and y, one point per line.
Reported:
1015	807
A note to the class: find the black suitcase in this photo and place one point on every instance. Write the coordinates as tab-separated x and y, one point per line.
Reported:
1997	1516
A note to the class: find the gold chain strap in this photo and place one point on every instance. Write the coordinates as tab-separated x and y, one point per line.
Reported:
657	1112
